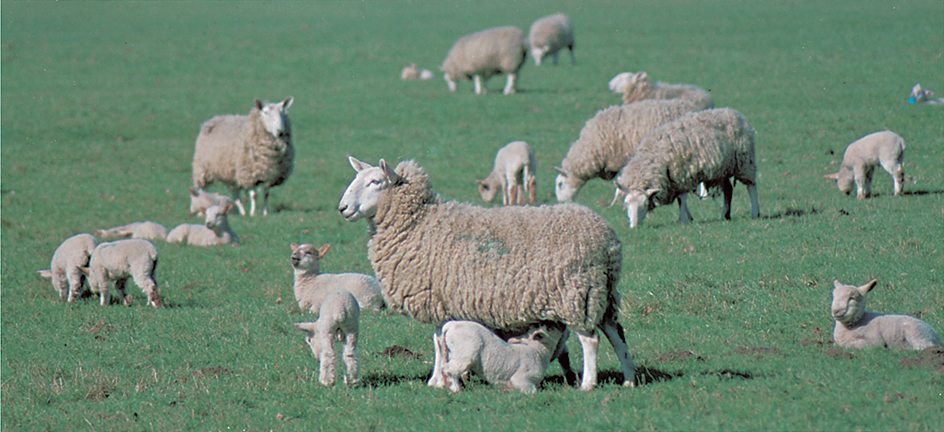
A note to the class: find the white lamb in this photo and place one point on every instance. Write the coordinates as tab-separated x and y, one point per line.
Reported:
215	231
139	230
200	200
66	265
119	260
920	95
338	321
859	328
311	286
862	156
513	173
252	152
480	55
412	72
549	35
637	86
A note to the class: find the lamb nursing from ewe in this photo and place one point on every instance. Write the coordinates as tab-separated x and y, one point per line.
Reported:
859	328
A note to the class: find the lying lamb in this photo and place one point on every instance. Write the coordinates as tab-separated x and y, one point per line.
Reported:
311	286
480	55
411	72
119	260
920	95
216	230
637	86
139	230
66	266
862	156
514	173
200	200
338	321
549	35
859	328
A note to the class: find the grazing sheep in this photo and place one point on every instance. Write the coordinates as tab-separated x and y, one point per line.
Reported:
549	35
637	86
139	230
311	286
65	269
411	72
514	173
246	152
859	328
200	200
338	321
608	141
920	95
480	55
508	268
858	163
706	147
119	260
216	230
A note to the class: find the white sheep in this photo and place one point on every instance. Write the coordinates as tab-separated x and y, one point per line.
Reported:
862	156
467	346
549	35
920	95
412	72
707	147
637	86
508	268
246	152
65	269
311	286
338	321
119	260
859	328
513	173
200	200
608	141
215	231
480	55
139	230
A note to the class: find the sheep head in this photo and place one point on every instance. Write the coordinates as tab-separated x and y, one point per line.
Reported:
637	204
361	197
275	117
849	301
311	331
305	258
216	215
566	185
845	179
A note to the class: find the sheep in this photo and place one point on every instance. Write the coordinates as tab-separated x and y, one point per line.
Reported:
920	95
139	230
311	286
609	140
549	35
338	321
412	72
119	260
520	363
65	267
200	200
508	268
216	230
884	148
701	147
637	86
246	152
859	328
514	173
480	55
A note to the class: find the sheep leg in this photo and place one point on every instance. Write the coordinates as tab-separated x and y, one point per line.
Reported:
614	333
76	281
684	215
573	60
326	373
352	367
478	84
590	343
863	181
529	184
898	175
512	190
755	208
510	85
144	279
265	201
252	202
63	285
120	286
103	293
562	355
239	203
728	192
436	379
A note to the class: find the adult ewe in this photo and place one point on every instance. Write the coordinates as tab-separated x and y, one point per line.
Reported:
480	55
508	268
549	35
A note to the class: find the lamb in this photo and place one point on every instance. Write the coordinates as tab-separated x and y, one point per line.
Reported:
412	72
702	147
514	173
119	260
200	200
608	141
311	286
859	328
520	363
338	321
508	268
858	163
637	86
139	230
549	35
66	266
920	95
216	230
246	152
480	55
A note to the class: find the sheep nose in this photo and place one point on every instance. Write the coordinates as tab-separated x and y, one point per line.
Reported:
341	208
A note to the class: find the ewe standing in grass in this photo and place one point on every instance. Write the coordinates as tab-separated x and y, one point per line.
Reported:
251	152
549	35
635	87
480	55
508	268
338	321
311	286
65	269
859	328
215	231
119	260
513	173
861	157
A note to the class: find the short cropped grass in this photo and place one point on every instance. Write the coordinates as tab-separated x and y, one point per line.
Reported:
728	321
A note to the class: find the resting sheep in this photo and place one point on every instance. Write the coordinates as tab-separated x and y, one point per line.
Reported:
859	328
119	260
311	286
412	72
549	35
508	268
215	231
338	321
139	230
920	95
513	173
480	55
246	152
200	200
707	147
65	269
862	156
637	86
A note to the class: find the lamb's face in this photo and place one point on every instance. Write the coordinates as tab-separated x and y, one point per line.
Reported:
363	194
275	118
845	180
487	191
216	216
566	187
636	204
305	258
619	82
538	54
310	329
849	302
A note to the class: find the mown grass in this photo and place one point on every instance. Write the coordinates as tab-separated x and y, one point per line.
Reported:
102	103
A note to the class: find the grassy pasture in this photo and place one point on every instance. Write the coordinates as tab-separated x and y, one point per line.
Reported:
728	321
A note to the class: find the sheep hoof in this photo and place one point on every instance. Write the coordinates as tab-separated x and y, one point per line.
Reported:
128	300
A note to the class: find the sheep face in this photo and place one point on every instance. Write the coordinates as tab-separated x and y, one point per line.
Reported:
311	332
566	186
216	215
626	80
849	302
538	54
486	190
363	194
306	258
274	116
637	205
845	180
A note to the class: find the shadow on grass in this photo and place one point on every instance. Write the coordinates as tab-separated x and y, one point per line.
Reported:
923	192
388	380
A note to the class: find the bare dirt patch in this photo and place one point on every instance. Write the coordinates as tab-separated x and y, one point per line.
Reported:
930	358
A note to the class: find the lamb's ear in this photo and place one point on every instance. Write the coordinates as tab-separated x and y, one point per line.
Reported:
864	289
358	165
323	250
85	270
307	327
126	235
226	208
834	176
44	273
651	192
294	247
561	170
258	104
391	175
201	210
836	284
640	76
287	103
193	193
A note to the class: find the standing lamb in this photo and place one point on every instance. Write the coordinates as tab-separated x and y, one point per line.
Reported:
706	147
200	200
338	321
119	260
608	141
246	152
549	35
139	230
311	286
480	55
637	86
859	328
508	268
65	269
861	157
514	173
215	231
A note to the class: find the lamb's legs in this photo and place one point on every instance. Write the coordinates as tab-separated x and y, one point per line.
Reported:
684	215
436	379
510	85
239	204
590	343
478	84
728	192
120	286
352	367
614	333
573	60
76	281
326	373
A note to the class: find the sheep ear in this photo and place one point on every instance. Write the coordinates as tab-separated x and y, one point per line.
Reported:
193	192
201	210
864	289
258	104
126	235
44	273
85	270
836	284
640	76
307	327
287	103
539	335
323	250
227	208
294	247
834	176
391	175
358	165
651	192
561	170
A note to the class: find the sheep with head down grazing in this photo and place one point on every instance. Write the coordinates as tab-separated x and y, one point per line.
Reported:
338	321
884	148
481	55
549	35
513	174
66	266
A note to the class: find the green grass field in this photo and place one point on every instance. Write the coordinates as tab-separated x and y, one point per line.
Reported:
728	321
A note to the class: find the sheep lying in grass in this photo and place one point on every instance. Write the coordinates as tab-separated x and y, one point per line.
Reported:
637	86
862	156
200	200
513	173
920	95
215	231
338	321
65	269
139	230
119	260
412	72
549	35
859	328
480	55
311	286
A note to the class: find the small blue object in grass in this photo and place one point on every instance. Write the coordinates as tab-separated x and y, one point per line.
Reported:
911	100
